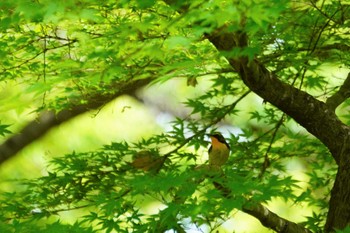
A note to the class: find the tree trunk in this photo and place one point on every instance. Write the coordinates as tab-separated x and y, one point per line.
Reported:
339	205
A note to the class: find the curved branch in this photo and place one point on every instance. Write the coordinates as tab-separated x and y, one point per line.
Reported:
272	220
40	126
340	96
267	218
315	116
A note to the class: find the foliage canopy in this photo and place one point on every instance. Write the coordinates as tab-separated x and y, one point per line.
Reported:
69	57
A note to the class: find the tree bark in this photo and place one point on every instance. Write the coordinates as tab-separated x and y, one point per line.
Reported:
266	217
339	205
341	95
272	220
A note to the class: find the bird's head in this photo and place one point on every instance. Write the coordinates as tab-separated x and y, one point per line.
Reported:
218	140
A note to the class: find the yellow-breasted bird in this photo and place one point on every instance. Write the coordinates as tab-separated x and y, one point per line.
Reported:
218	151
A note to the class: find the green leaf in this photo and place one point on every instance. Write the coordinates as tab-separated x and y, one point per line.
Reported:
4	130
143	4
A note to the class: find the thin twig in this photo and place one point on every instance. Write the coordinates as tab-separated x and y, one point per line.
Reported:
266	163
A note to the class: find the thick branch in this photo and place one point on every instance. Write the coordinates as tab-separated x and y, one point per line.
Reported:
272	220
37	128
315	116
340	96
339	204
264	215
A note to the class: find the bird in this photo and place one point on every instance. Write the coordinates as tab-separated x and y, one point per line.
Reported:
147	161
219	151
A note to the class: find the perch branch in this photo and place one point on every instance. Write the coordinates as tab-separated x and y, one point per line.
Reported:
272	220
267	218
